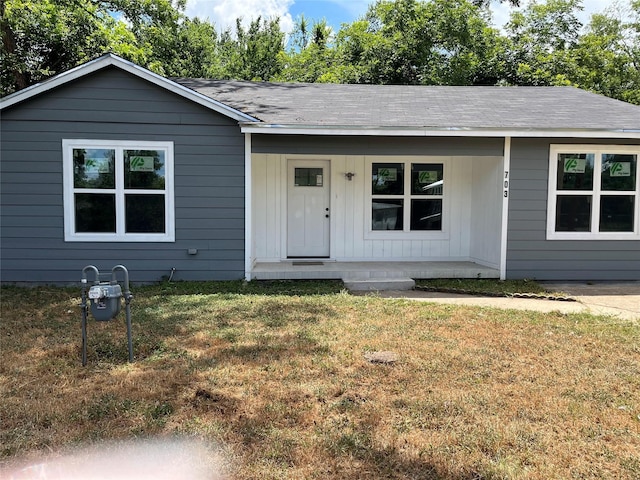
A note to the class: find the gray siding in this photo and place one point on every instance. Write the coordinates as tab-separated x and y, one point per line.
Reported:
529	254
111	104
447	146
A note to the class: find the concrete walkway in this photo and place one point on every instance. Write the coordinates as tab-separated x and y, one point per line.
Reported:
620	300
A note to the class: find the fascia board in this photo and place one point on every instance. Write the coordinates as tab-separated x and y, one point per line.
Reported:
114	60
434	132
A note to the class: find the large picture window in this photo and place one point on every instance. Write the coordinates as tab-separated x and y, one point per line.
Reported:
594	192
118	190
407	196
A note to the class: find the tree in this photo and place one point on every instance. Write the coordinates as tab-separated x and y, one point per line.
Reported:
416	42
299	38
547	45
540	38
45	37
186	49
311	57
486	3
606	59
434	42
254	53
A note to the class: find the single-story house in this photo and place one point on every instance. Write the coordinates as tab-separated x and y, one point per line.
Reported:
194	179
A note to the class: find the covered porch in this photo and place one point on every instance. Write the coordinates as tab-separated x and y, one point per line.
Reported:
378	215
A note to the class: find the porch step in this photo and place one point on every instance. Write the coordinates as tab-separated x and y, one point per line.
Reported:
350	271
379	284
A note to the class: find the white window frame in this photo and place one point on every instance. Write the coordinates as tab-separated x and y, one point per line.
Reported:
407	233
595	193
70	235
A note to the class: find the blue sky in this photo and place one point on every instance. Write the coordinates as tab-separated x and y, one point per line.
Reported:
336	12
224	12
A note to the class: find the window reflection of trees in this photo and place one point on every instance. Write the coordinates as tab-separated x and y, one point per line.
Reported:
576	180
144	180
620	183
94	168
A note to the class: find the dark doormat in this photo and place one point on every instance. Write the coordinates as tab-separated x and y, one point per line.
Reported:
300	264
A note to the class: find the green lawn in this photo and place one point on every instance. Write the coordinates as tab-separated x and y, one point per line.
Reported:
275	376
500	288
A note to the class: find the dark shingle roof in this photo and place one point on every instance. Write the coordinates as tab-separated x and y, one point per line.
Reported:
401	106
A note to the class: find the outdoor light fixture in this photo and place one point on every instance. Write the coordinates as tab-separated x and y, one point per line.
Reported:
349	175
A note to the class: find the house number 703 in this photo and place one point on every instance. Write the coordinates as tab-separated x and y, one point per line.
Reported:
506	183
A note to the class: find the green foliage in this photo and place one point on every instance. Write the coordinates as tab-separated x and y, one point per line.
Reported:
549	46
183	49
426	42
253	53
540	38
311	58
256	287
606	58
485	3
45	37
41	38
403	42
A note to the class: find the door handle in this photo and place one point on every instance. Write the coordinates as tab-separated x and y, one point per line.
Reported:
326	216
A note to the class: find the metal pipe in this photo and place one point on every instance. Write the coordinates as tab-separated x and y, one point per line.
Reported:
95	270
127	301
126	276
127	308
84	324
85	307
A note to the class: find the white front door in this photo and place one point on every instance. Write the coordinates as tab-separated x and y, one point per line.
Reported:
308	215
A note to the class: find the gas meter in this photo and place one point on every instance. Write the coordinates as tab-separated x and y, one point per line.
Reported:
105	301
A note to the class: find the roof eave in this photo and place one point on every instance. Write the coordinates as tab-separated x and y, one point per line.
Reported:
452	131
113	60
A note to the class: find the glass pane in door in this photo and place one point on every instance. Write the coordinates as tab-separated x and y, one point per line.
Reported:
308	177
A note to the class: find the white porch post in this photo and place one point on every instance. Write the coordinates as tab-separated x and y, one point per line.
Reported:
248	213
505	207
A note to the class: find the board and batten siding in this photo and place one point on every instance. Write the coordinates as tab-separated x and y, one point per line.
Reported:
474	217
112	104
486	206
529	253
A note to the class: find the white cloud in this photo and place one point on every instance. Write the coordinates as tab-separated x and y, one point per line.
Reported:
501	11
223	13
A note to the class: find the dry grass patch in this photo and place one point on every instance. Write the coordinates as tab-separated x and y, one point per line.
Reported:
282	383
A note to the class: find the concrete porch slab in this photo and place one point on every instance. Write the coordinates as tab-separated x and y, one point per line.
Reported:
300	270
380	285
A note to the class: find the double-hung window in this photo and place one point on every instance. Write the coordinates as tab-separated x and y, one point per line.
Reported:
118	191
407	197
594	192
